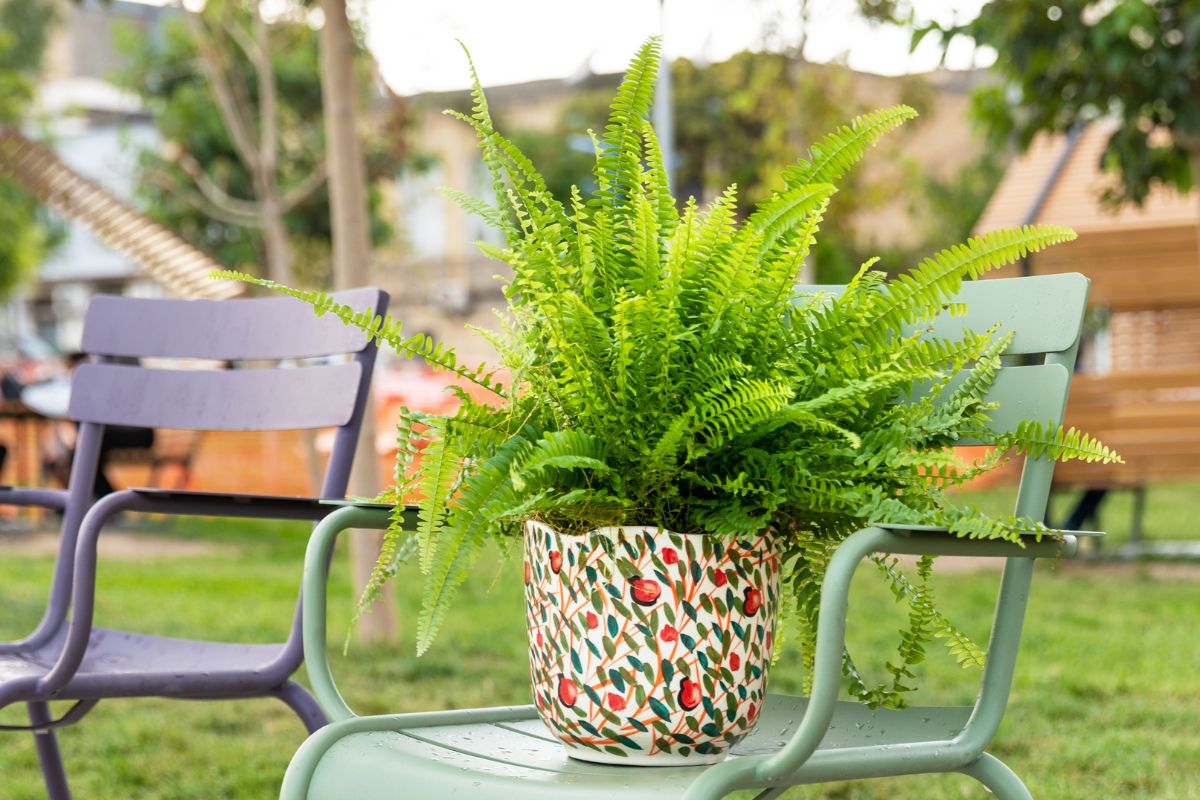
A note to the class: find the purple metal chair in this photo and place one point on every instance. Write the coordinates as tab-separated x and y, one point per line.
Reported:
70	659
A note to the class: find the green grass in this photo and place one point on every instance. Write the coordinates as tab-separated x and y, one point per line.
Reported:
1106	701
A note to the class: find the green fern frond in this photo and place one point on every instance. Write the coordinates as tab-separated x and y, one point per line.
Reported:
921	293
558	450
833	156
785	211
383	328
968	654
460	541
618	169
1046	440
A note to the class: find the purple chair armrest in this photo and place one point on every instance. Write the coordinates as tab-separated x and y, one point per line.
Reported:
231	504
178	503
42	498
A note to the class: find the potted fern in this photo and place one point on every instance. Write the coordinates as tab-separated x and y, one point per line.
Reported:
682	440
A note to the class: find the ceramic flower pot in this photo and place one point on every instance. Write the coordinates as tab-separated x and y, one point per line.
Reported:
649	647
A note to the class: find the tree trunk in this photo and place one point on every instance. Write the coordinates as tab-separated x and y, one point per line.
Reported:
351	267
275	238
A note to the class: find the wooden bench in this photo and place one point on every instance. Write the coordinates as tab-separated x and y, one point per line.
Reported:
1151	416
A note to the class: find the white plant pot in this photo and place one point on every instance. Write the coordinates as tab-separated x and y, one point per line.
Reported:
646	646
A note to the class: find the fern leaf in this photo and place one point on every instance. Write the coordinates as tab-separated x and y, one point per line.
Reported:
618	169
460	541
833	156
1046	440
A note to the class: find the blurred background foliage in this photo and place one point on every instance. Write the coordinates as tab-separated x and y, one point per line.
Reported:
742	121
25	232
167	77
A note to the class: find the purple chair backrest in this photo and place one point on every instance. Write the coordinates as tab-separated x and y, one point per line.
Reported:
251	399
225	330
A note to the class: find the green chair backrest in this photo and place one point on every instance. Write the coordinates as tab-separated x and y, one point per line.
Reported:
1046	312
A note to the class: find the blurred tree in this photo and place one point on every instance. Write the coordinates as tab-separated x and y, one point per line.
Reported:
236	97
352	267
24	28
1069	62
743	120
948	208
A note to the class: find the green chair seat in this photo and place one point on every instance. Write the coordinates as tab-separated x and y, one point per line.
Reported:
514	755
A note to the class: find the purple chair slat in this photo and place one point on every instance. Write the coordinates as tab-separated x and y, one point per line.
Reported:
215	400
267	328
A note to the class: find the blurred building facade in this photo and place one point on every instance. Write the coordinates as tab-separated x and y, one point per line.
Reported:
439	280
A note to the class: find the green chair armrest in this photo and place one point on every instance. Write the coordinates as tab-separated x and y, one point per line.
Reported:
937	529
350	515
934	540
831	627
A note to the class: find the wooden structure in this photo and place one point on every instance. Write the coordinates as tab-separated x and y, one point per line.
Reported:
1139	382
181	268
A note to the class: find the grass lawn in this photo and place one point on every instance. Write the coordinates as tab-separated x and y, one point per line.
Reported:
1106	702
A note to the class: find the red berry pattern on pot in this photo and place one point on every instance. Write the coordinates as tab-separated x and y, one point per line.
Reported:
648	646
689	694
645	592
752	602
568	692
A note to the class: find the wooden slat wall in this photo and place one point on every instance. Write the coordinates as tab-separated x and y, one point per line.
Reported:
1163	339
1151	416
1144	263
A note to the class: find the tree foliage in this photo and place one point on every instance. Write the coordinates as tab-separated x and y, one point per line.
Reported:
24	28
1135	63
165	73
663	371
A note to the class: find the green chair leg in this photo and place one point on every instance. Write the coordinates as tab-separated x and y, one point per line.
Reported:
996	776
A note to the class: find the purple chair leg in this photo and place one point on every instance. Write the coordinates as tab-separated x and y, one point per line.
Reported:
53	772
302	703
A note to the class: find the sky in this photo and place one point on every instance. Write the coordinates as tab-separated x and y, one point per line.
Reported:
514	41
521	40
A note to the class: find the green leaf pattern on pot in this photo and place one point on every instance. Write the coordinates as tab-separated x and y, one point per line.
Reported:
647	645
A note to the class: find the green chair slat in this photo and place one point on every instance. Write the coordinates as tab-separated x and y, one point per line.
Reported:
1037	392
1046	311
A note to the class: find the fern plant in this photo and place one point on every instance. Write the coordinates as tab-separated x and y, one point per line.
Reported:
662	371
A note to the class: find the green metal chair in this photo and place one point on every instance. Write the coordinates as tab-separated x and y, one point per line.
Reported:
507	752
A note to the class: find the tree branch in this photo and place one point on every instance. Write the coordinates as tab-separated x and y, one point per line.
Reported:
214	193
231	109
268	127
197	201
304	189
242	39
